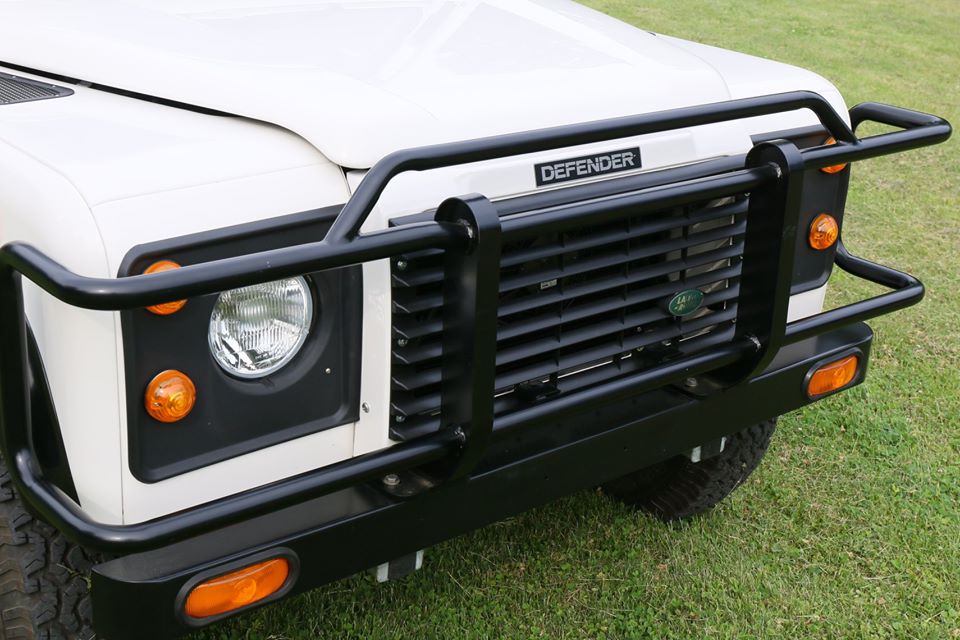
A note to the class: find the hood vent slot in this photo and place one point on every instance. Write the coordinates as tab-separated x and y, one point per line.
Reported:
14	89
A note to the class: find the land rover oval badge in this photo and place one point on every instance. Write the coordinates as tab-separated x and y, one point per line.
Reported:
685	302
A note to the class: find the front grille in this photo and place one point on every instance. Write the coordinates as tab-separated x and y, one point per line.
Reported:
14	89
577	308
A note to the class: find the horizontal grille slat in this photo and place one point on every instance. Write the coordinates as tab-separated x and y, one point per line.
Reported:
592	240
577	305
614	259
597	373
407	328
668	223
409	302
506	356
427	376
540	370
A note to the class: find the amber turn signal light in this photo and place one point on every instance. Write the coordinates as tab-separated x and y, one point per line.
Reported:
837	168
833	376
237	589
167	308
170	396
824	232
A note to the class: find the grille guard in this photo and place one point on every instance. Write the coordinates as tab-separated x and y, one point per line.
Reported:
470	232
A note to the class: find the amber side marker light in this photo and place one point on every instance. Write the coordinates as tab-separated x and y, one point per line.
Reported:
237	589
837	168
170	396
833	376
167	308
824	231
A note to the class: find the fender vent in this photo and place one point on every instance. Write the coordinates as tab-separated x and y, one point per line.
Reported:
14	89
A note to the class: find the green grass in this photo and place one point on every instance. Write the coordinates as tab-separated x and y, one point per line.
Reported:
851	527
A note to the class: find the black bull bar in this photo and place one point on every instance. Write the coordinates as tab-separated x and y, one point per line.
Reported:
470	232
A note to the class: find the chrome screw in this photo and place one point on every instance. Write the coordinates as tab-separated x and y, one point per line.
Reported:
365	407
691	382
401	265
402	342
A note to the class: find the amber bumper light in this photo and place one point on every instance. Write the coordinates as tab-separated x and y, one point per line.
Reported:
167	308
833	376
170	396
237	589
824	232
837	168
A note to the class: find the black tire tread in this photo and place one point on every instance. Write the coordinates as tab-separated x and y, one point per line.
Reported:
44	580
678	489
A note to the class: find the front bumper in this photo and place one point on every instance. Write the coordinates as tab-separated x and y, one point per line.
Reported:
353	529
564	443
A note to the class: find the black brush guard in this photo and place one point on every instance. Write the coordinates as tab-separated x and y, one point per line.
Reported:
470	232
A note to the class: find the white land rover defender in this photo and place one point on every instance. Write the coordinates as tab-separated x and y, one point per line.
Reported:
293	290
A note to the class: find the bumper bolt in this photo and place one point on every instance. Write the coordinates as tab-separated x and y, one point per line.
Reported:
402	342
401	265
691	383
399	419
391	480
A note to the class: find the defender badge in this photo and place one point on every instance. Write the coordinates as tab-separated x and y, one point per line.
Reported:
685	302
598	164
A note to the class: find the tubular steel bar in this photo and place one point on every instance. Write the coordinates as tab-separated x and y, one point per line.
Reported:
108	294
622	388
355	213
907	291
460	237
64	514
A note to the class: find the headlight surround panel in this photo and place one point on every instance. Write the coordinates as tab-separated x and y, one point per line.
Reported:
822	193
317	389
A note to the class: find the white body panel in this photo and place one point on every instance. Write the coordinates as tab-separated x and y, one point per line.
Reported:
361	79
88	177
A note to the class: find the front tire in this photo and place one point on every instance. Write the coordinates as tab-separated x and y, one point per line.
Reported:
44	579
677	489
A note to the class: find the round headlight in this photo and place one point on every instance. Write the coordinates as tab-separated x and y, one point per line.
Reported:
255	331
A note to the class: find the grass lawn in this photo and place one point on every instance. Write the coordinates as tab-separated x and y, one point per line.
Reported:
851	527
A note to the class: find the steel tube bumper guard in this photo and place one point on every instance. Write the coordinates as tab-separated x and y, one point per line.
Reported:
470	232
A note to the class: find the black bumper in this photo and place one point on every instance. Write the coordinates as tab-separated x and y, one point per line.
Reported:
343	533
477	459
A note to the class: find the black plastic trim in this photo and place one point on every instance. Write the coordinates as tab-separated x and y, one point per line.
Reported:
45	433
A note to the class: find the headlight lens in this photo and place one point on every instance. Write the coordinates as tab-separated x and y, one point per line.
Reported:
255	331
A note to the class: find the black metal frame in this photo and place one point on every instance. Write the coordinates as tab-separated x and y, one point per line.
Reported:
470	232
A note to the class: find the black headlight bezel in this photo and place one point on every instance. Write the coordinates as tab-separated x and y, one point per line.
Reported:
318	389
822	193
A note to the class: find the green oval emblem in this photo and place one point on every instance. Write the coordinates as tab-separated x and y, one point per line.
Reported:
685	302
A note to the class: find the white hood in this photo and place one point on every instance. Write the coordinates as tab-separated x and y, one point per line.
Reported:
360	79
